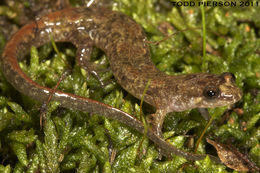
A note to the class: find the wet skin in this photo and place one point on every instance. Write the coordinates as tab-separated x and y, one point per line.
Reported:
125	44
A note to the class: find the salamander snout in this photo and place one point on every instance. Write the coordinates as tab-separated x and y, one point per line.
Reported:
228	89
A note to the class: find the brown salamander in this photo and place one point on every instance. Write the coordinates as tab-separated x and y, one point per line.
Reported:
125	44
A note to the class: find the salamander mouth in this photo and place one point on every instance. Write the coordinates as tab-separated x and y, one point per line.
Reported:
230	93
232	97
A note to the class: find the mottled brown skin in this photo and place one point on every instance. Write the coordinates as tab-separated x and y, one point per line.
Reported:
124	43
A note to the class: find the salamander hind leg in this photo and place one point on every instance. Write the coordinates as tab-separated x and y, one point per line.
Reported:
83	58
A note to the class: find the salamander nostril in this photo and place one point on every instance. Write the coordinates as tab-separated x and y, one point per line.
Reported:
229	77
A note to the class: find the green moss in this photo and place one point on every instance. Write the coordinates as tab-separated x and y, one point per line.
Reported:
71	140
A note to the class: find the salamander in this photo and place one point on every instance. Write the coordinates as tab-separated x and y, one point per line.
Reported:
125	44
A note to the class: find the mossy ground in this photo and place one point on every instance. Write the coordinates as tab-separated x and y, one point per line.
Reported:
75	141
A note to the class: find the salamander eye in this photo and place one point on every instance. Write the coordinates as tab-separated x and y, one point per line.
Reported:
211	92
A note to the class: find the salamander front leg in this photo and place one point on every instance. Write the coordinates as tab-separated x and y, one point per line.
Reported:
204	113
156	123
83	58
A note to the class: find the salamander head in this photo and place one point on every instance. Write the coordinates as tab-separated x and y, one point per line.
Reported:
223	92
206	91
